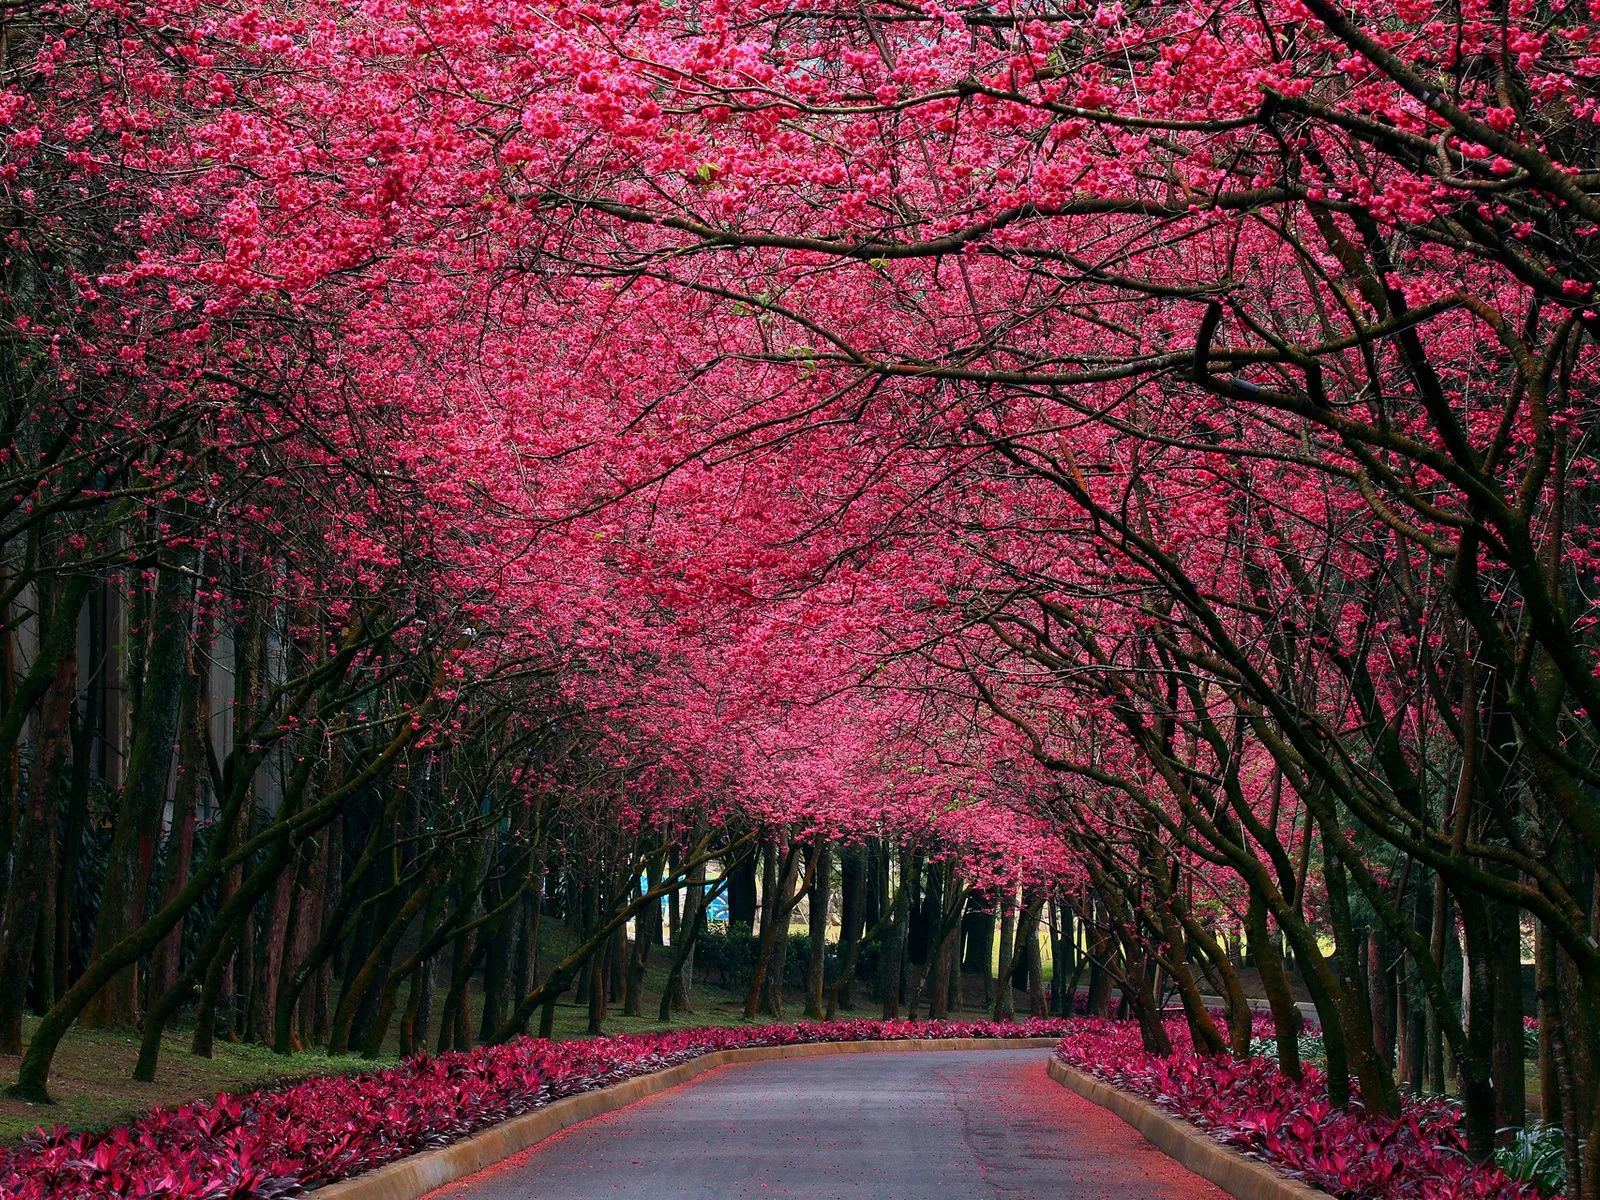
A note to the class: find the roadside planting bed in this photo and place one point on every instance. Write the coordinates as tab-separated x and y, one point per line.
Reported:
1252	1106
286	1141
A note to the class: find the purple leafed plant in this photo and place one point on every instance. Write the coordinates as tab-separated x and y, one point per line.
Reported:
287	1141
1251	1105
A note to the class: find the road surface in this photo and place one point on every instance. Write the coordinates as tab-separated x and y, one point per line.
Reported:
914	1125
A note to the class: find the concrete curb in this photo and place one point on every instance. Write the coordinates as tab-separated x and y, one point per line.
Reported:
410	1178
1241	1177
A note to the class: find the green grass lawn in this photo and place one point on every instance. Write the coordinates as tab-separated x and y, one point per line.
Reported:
92	1077
93	1086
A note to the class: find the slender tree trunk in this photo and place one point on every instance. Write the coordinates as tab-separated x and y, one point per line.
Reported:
639	954
144	791
1286	1019
1037	1005
529	926
275	944
367	974
34	847
1101	949
1004	1003
852	916
892	964
498	940
1138	988
309	912
1505	973
194	711
1378	1092
1203	1031
777	903
162	1007
597	989
1380	994
954	1002
817	927
72	845
742	895
677	996
1475	1066
683	939
946	972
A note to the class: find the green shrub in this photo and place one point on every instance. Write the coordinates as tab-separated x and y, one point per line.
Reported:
727	959
1536	1155
1311	1047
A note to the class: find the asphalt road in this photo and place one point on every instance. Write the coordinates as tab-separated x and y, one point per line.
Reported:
919	1125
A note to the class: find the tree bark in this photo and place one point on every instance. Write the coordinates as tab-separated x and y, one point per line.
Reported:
1005	1008
1286	1019
891	967
816	969
852	917
144	791
34	848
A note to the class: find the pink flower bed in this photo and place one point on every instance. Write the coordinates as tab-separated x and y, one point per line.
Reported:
1252	1106
287	1141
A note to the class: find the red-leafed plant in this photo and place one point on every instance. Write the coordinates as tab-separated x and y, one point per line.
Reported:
1250	1105
284	1142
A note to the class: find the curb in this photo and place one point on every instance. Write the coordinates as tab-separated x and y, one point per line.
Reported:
1241	1177
416	1176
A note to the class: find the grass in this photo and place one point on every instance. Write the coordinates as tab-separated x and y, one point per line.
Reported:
92	1081
92	1078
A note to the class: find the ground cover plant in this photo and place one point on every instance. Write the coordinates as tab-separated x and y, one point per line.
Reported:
1421	1153
285	1141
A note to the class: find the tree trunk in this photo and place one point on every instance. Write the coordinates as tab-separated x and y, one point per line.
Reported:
310	911
891	967
193	712
71	851
766	981
946	971
1037	1005
1505	973
144	791
260	880
498	939
852	914
1004	1003
1286	1019
375	962
1380	992
816	971
597	988
34	848
742	895
1101	948
279	931
1378	1092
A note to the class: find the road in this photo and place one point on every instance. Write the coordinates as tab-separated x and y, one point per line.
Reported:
916	1125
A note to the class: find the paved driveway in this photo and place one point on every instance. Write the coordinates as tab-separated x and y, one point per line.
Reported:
914	1125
